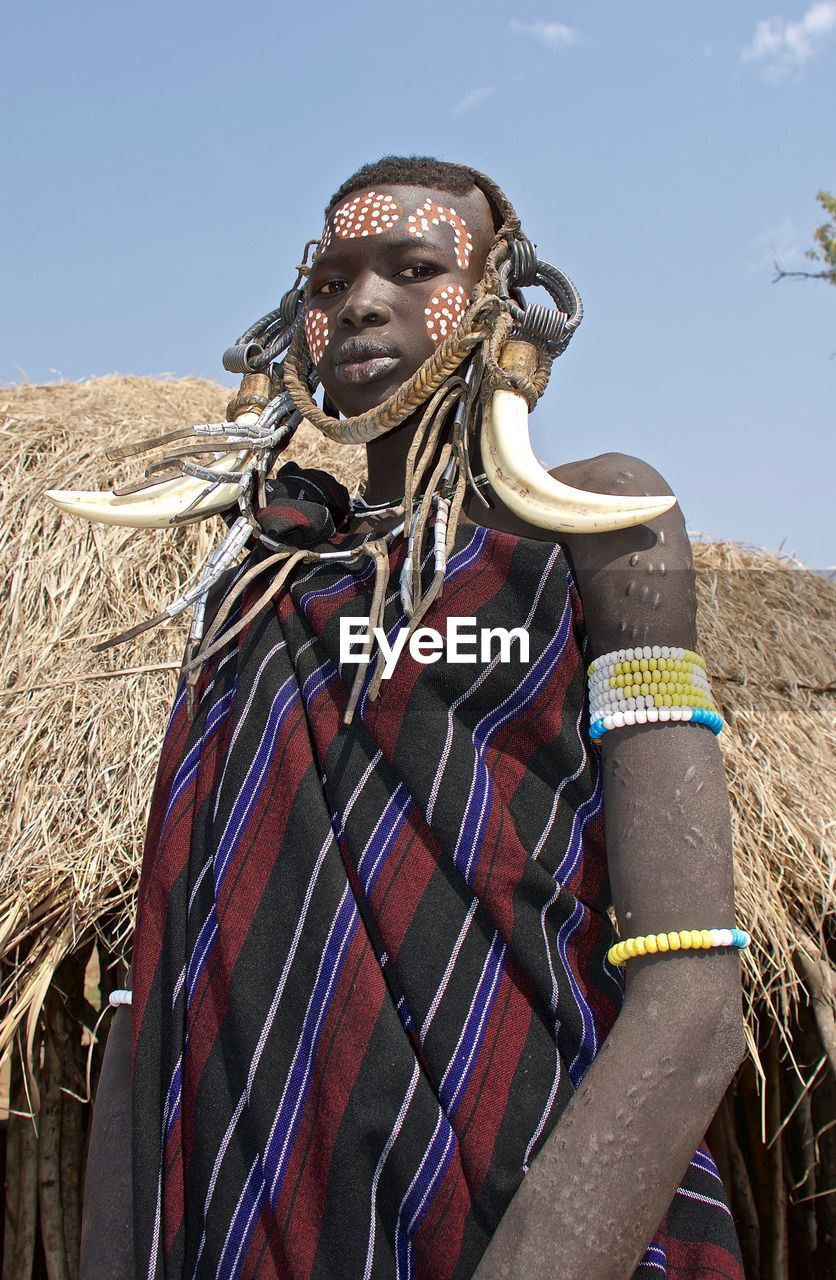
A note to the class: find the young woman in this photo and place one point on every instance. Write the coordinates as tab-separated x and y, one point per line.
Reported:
378	1027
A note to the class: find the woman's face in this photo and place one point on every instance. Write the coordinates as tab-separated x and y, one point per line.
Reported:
391	280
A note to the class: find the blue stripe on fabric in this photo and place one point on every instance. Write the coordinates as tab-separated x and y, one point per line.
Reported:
397	807
468	846
581	819
285	1125
200	952
655	1256
584	814
456	565
705	1164
174	1098
215	718
419	1197
404	1014
286	1122
347	580
588	1043
462	1064
189	765
241	811
184	776
253	784
250	1204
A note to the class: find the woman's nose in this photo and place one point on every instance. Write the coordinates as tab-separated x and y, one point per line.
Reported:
363	305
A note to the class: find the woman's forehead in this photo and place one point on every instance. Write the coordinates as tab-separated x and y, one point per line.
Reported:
470	203
413	211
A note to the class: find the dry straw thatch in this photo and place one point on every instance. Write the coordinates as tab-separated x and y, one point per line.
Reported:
80	744
81	732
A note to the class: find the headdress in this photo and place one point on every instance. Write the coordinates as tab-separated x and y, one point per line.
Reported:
481	382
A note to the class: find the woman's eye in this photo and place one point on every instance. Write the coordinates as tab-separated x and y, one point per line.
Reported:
419	271
329	287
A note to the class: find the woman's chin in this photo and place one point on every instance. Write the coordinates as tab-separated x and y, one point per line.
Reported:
363	397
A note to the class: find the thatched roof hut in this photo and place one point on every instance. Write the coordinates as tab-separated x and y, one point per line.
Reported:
81	732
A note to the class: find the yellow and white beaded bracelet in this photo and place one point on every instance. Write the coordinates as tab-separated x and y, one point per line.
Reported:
648	684
679	940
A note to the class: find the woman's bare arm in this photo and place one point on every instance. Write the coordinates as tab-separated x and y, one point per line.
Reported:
599	1188
107	1223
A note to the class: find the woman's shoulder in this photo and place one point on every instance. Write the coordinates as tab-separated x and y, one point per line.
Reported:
617	473
637	584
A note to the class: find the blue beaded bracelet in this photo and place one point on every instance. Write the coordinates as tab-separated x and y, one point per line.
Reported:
698	715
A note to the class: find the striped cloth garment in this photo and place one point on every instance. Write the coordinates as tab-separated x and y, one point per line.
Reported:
370	959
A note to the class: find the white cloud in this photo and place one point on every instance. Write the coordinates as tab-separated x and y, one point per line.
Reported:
474	99
552	33
783	46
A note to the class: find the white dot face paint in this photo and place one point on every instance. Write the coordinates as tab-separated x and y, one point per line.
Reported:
429	214
370	214
375	212
366	215
316	331
445	310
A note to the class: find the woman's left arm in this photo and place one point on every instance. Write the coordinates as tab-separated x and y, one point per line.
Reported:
600	1186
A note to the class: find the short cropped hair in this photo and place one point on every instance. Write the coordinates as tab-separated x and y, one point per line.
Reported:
414	171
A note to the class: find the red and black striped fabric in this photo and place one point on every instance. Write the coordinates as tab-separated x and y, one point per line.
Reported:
370	959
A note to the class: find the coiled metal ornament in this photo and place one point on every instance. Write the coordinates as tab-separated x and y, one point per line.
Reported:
549	327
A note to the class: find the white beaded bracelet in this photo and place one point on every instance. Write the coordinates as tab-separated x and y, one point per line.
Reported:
649	684
120	997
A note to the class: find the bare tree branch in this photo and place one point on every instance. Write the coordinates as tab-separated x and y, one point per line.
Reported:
780	274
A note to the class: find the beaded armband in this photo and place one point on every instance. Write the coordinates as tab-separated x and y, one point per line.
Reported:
679	940
120	997
648	684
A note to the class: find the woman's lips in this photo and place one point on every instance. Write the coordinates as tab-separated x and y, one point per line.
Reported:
367	370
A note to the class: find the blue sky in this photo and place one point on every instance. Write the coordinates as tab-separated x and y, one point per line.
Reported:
167	161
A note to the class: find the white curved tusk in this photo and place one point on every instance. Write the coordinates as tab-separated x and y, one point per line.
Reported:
156	506
537	497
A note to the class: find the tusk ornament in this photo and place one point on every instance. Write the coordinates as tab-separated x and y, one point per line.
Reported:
157	506
532	493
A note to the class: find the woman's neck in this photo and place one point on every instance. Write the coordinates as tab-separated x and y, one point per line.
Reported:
386	462
386	474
